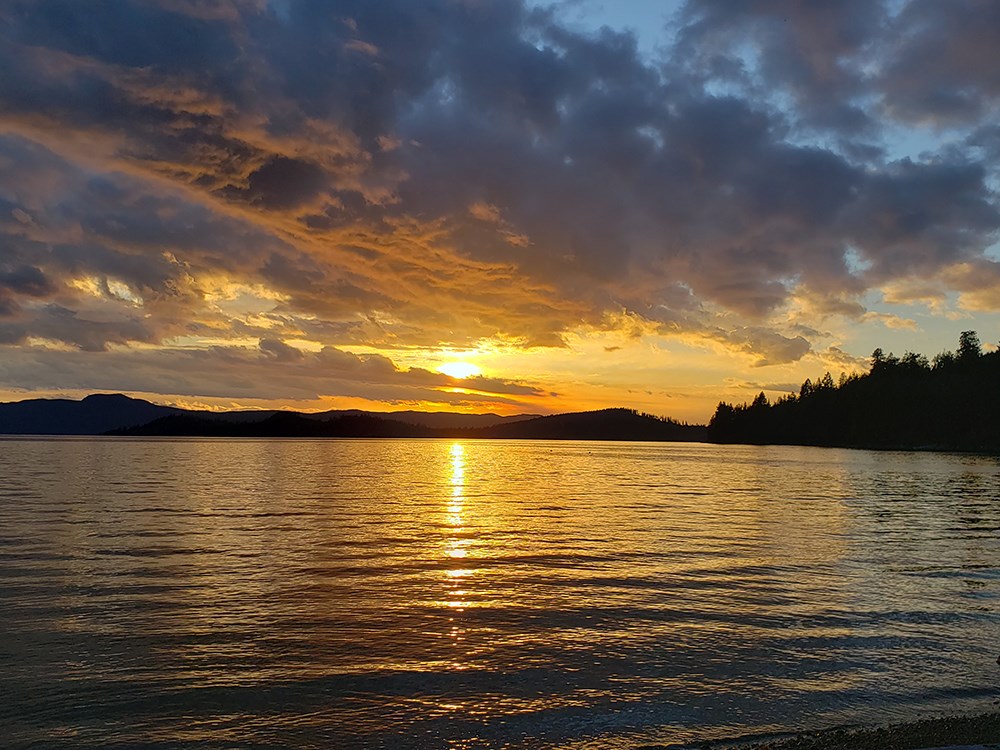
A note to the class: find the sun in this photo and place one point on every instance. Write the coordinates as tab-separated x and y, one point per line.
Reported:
459	369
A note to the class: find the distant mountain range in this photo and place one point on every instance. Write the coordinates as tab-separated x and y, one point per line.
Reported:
94	415
116	414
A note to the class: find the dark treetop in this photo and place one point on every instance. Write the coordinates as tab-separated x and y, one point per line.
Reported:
908	402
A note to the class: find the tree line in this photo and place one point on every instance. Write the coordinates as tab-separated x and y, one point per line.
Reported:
951	403
604	424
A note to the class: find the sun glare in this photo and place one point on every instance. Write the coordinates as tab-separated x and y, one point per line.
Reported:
459	369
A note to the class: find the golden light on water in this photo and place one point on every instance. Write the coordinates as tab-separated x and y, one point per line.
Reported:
457	484
456	545
457	463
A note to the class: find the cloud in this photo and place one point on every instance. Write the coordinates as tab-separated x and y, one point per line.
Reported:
280	351
768	347
891	321
399	174
940	70
978	283
273	371
814	53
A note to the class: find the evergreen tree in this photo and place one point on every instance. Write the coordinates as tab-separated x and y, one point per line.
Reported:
969	347
900	403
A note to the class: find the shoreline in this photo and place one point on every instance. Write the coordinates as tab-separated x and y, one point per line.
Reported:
972	731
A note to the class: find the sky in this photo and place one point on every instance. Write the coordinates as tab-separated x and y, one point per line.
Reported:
490	205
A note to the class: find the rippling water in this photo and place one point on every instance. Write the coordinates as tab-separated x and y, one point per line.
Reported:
440	594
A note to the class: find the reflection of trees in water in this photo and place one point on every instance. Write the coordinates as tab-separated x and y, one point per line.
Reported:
924	542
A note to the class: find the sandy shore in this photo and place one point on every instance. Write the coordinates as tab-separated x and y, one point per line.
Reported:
966	731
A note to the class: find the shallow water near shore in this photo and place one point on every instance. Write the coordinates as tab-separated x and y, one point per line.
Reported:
467	594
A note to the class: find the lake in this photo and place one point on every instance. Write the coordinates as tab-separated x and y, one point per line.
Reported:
486	594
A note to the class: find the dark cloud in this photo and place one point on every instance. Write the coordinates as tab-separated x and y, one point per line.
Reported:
812	52
57	323
284	183
918	218
26	280
987	139
280	350
921	61
120	32
942	68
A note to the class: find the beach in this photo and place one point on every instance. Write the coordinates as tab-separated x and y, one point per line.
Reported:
962	732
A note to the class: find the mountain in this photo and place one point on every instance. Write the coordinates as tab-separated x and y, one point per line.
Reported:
434	419
101	413
605	424
94	415
121	415
279	424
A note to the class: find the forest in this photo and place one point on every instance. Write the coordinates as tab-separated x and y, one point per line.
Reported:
949	403
604	424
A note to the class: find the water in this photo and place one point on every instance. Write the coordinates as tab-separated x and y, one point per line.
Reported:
440	594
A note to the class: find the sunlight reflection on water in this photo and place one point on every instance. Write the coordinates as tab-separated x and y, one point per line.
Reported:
224	593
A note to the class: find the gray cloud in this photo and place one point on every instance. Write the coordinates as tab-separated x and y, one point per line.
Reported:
941	68
815	53
917	218
26	280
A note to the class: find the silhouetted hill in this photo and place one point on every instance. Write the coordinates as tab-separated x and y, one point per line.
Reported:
101	413
435	419
279	424
952	403
446	420
605	424
608	424
93	415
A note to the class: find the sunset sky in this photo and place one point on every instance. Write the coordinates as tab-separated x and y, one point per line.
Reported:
334	204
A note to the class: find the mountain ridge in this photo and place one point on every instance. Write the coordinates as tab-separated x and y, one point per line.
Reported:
604	424
118	414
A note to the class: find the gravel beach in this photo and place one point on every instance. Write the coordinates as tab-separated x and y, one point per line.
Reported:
964	732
